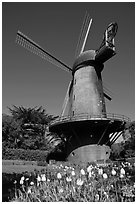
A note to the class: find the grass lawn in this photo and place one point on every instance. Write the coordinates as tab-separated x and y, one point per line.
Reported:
18	166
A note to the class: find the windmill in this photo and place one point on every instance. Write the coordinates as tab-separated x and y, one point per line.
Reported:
89	129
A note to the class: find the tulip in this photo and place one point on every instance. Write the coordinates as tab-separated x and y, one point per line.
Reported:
38	178
31	183
122	171
22	178
61	190
68	179
59	176
113	172
97	197
43	177
90	174
82	171
80	182
121	176
105	176
100	171
73	173
89	169
21	181
29	190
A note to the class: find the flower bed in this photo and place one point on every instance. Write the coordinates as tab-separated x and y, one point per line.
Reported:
68	183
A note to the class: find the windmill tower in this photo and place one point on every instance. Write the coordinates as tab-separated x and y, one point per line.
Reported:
89	129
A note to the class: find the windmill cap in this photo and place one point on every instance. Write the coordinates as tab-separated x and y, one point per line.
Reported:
85	58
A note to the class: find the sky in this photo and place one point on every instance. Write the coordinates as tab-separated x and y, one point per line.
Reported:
30	81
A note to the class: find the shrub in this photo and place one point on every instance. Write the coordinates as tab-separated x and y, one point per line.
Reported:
41	163
21	154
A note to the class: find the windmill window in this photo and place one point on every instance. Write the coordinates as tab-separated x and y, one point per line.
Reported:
75	81
73	112
73	153
74	97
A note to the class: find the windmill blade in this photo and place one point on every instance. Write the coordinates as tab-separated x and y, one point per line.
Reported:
81	35
66	99
85	39
107	96
30	45
107	93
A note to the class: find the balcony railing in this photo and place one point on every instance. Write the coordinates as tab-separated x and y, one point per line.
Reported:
81	117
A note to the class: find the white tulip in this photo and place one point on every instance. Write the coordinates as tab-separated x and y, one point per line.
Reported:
80	182
59	176
21	181
121	176
22	178
43	177
31	183
97	197
38	178
68	179
29	190
113	172
82	171
73	173
105	176
89	168
122	171
15	182
61	190
90	174
100	171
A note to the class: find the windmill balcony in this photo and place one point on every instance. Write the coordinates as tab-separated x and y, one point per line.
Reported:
82	117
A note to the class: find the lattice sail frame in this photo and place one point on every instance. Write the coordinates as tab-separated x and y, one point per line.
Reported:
33	47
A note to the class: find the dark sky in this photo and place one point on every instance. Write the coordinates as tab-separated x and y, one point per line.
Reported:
31	81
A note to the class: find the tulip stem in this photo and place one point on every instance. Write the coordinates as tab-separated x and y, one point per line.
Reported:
116	191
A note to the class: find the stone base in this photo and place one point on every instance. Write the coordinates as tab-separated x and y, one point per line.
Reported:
89	153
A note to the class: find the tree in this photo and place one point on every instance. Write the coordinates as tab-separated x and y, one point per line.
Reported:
30	123
129	139
11	131
56	146
126	148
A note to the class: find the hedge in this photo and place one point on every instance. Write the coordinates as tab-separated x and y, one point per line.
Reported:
21	154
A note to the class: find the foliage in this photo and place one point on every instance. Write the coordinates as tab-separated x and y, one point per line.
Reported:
30	115
11	131
21	154
129	140
90	183
117	151
25	128
126	148
56	144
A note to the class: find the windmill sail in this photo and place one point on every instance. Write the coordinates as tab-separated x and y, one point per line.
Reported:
83	34
30	45
66	99
85	39
107	93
